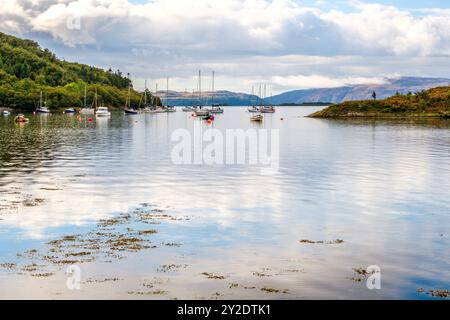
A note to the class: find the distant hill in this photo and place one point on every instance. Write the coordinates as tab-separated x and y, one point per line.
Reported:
226	98
26	69
359	92
432	103
311	96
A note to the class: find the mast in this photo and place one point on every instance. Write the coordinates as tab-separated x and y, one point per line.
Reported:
260	100
145	94
200	88
40	100
129	96
85	94
156	95
212	95
167	92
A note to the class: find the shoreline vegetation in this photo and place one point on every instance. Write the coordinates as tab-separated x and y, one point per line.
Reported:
26	69
432	103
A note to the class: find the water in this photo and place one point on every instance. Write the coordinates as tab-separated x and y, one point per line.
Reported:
381	187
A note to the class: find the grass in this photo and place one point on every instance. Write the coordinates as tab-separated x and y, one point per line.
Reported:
432	103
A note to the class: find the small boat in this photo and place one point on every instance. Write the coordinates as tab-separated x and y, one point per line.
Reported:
202	112
209	117
217	109
42	107
267	109
168	108
148	110
128	108
103	112
253	110
147	107
21	119
131	111
86	109
257	117
6	113
43	110
70	111
188	109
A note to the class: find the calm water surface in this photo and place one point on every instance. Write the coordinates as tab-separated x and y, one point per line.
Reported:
381	187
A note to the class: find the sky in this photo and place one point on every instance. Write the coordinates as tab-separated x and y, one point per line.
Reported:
286	44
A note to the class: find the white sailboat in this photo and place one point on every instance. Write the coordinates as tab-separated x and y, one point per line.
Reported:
169	108
200	112
101	111
148	108
215	108
257	116
265	108
254	108
86	109
43	107
158	109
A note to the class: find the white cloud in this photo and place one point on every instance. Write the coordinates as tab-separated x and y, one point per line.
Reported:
246	39
320	81
234	25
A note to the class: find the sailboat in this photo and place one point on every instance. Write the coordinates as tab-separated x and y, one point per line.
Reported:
265	108
187	108
70	111
253	109
147	108
86	109
157	109
258	116
128	108
42	108
102	111
215	108
200	112
169	108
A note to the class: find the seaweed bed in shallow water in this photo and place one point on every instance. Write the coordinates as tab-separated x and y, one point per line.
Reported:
110	239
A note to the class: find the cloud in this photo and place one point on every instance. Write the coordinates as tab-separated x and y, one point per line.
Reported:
270	27
320	81
243	38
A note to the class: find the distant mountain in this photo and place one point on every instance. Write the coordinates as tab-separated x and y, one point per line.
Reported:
359	92
334	95
219	97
